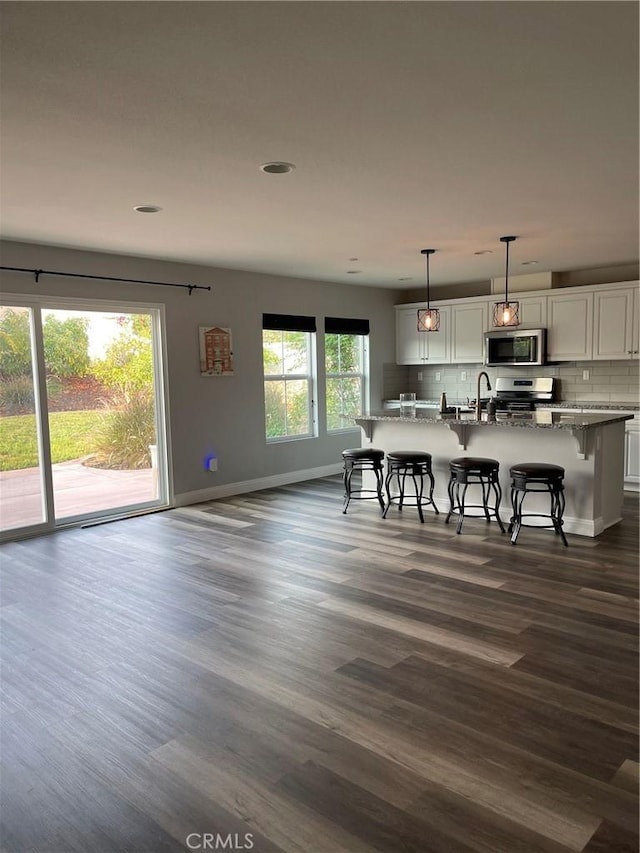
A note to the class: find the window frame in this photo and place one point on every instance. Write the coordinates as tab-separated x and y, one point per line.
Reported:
310	377
363	375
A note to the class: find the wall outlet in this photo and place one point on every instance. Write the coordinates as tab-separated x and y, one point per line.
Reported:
463	376
212	465
438	376
419	376
585	375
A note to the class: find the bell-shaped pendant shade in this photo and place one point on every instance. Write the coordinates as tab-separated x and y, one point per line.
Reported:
428	318
506	313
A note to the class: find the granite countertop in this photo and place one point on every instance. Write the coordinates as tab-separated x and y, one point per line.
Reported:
526	420
579	404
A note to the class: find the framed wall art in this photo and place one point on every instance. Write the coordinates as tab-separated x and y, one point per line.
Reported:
216	351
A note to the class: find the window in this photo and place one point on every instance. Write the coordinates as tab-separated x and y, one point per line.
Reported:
288	376
345	369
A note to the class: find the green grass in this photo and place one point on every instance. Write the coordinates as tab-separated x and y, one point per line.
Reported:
73	435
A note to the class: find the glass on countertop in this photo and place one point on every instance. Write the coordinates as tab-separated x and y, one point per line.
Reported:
407	404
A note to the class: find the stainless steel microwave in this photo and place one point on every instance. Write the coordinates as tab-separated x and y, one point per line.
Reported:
515	347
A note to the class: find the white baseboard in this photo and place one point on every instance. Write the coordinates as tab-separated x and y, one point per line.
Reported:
272	482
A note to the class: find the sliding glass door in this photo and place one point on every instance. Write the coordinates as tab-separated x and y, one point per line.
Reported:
82	431
22	482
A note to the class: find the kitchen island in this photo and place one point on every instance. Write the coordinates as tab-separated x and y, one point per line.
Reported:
590	447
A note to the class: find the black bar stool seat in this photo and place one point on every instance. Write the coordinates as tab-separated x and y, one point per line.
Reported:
362	459
474	470
417	465
537	477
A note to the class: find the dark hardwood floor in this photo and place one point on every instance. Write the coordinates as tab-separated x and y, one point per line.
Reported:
266	673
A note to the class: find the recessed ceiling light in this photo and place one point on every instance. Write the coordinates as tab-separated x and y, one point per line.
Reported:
147	208
484	252
353	272
528	263
406	278
277	167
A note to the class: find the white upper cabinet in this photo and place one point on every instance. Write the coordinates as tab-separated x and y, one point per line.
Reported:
414	347
533	312
615	328
583	323
570	326
438	344
409	342
468	324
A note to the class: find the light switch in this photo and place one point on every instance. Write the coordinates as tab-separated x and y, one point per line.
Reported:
585	375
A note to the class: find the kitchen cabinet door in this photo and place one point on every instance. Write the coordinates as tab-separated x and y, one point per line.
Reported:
414	347
409	341
570	329
533	312
467	333
615	324
632	455
437	345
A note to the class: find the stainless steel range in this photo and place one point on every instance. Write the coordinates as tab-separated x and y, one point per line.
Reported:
521	395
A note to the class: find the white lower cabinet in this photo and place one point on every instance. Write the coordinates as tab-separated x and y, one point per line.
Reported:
632	454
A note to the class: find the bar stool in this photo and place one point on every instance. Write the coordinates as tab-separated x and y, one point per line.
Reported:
362	459
474	470
537	477
417	465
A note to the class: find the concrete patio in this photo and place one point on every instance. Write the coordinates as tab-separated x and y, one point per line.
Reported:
77	490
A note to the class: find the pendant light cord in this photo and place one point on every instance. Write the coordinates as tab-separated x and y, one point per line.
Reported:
428	298
507	240
427	253
506	279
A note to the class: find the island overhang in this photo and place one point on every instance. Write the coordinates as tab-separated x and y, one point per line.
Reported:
590	447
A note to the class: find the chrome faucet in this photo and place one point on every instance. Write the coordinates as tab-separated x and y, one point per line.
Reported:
478	404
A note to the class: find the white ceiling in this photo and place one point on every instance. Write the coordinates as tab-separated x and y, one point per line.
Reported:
412	124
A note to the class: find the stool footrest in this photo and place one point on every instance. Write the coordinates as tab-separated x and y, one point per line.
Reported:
471	471
362	459
537	477
416	465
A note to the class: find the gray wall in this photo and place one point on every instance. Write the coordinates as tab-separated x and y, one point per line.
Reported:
224	415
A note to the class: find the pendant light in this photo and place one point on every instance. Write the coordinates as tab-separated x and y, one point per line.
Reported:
506	313
428	318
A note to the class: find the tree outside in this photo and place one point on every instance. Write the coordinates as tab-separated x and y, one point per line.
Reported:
344	372
100	409
287	383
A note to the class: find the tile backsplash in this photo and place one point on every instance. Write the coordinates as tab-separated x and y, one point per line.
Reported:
608	381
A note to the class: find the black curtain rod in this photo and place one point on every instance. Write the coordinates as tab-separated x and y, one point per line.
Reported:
38	273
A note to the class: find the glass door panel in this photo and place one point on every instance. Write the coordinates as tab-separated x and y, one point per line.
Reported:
22	492
101	400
